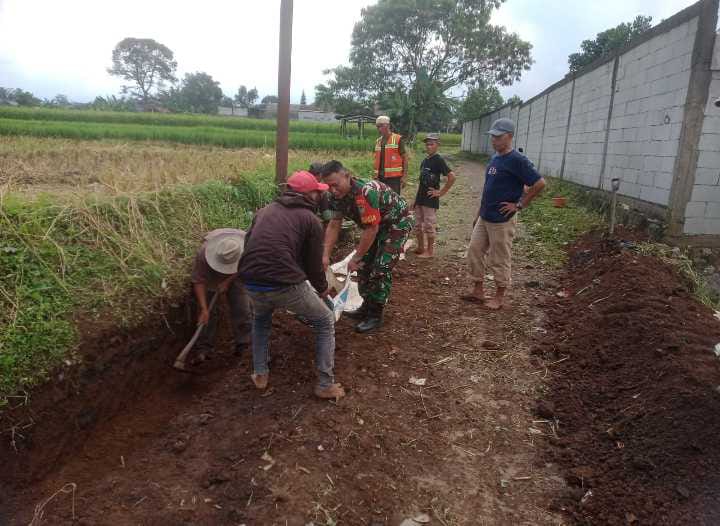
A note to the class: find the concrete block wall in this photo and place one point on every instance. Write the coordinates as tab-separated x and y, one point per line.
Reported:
485	124
648	110
702	214
556	123
586	136
535	129
521	129
477	137
636	116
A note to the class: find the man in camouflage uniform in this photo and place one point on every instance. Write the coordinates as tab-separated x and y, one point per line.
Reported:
386	223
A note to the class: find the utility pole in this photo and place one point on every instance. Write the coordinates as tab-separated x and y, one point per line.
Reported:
283	114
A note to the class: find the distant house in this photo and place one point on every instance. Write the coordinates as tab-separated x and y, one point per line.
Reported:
233	111
297	112
316	115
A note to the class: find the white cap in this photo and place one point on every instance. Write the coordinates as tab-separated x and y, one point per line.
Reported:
382	119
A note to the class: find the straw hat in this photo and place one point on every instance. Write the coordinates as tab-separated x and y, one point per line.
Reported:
223	250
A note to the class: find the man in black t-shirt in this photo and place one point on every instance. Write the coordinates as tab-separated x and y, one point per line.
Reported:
427	201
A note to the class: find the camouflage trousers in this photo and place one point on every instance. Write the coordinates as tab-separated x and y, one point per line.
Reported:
375	275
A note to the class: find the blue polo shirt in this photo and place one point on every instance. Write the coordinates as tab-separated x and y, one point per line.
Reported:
504	180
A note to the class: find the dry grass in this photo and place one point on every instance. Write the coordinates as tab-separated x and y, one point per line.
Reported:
31	165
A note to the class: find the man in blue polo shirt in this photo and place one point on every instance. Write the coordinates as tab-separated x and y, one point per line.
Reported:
508	172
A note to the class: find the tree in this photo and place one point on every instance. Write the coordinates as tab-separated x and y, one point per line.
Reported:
608	41
303	99
24	98
198	93
19	96
245	97
346	93
241	96
515	100
269	99
480	100
327	100
59	100
146	63
411	45
324	98
112	103
201	93
424	107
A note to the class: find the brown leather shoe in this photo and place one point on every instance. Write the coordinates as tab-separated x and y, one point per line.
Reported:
333	391
260	380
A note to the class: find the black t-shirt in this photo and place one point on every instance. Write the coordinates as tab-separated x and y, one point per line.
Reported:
431	169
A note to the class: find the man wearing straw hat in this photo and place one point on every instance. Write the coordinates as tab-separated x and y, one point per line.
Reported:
391	162
215	270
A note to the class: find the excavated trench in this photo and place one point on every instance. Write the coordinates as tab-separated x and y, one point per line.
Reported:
79	422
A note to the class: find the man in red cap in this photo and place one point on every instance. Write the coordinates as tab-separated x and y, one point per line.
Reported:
283	251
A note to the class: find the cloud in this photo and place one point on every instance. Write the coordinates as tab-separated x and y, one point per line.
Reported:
46	45
51	47
557	27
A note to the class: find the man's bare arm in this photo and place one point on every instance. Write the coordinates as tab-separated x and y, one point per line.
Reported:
332	232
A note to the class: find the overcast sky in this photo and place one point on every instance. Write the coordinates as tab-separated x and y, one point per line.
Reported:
53	46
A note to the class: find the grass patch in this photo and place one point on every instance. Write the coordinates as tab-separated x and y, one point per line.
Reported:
188	120
99	257
194	135
163	119
547	231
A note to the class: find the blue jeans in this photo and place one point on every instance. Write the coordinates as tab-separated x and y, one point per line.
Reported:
302	300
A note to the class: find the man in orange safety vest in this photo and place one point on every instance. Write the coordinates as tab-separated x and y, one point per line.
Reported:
391	160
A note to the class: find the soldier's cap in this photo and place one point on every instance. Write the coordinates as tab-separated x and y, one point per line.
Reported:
432	137
382	119
501	127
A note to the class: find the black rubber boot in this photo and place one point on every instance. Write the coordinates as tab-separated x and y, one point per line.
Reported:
373	320
359	314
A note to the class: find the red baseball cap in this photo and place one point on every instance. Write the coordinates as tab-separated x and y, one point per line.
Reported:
304	182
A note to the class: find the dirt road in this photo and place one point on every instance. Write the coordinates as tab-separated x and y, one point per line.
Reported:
465	448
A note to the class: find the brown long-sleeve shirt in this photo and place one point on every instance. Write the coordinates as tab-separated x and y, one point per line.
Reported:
284	245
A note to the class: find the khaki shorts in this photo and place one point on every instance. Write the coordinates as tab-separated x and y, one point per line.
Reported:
425	219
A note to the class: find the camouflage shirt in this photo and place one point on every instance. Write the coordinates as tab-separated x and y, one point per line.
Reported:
369	203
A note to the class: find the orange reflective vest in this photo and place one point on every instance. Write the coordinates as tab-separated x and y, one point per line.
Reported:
393	160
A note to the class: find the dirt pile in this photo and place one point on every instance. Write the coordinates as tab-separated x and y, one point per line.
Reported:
633	390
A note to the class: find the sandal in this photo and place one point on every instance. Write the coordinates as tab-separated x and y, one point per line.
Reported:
332	391
260	380
471	298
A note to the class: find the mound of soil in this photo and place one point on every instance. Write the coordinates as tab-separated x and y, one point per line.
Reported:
633	390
